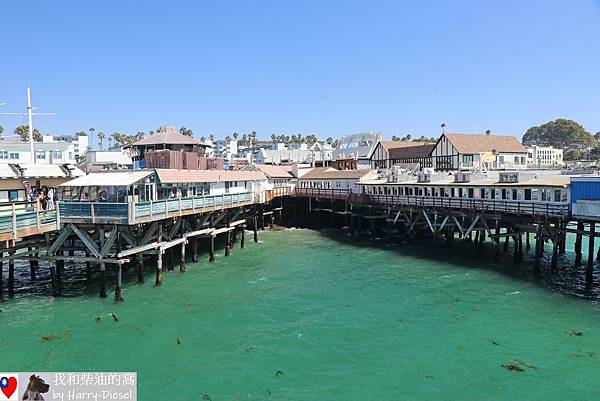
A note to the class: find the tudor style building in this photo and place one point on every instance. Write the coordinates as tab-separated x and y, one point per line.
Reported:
458	152
387	153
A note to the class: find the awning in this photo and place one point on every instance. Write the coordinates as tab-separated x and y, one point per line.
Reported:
110	179
49	171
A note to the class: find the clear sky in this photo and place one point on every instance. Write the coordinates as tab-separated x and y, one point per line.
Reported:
286	67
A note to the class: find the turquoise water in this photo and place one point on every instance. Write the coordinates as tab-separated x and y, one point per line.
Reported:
339	320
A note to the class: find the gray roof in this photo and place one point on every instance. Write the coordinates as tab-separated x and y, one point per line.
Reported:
24	146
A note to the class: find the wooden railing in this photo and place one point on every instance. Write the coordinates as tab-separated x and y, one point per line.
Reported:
277	192
20	219
133	212
518	207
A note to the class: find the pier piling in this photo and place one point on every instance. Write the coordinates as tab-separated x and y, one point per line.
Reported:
255	230
118	288
11	275
1	272
194	246
228	244
32	264
140	268
102	280
242	236
590	259
211	250
578	239
159	268
182	258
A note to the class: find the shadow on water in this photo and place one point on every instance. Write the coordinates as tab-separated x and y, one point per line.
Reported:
77	283
575	281
566	279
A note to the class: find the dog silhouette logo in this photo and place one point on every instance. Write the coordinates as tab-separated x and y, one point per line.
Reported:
35	388
8	387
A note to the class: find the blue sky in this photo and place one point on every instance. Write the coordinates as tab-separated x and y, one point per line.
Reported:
285	67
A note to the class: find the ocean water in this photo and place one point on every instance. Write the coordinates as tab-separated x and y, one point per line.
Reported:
338	318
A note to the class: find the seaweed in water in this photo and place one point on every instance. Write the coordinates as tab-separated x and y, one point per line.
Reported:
50	337
576	333
114	317
518	365
279	373
178	341
206	397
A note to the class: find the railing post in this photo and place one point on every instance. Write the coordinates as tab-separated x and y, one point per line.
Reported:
92	212
37	213
57	214
14	221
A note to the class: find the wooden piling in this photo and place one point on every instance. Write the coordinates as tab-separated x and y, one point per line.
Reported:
119	286
1	273
228	244
11	275
506	239
159	268
242	236
102	280
88	267
194	246
255	228
60	268
555	245
578	240
32	264
590	260
527	244
211	250
539	245
140	267
182	258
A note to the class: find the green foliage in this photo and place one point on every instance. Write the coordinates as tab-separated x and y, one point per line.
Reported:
23	132
560	133
81	133
186	131
101	136
1	129
123	139
572	154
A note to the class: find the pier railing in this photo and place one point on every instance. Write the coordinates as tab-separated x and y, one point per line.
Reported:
21	219
505	206
138	212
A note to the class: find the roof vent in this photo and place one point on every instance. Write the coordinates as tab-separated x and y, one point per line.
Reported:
509	176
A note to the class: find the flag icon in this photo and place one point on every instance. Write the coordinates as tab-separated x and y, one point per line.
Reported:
8	387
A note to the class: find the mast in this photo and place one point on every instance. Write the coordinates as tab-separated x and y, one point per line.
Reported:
30	117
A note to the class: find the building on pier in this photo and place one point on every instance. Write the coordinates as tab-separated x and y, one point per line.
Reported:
388	153
474	152
331	178
280	179
17	181
168	149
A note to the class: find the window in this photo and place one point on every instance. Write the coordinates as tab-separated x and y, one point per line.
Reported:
57	154
482	193
471	193
13	155
40	155
527	194
3	154
467	160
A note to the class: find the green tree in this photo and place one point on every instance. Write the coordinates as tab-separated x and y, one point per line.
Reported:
101	136
560	133
1	129
329	140
23	132
273	138
573	154
203	138
235	135
81	133
211	137
228	138
186	131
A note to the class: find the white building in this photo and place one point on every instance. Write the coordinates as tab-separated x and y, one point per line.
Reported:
544	156
474	152
80	142
17	152
98	160
328	178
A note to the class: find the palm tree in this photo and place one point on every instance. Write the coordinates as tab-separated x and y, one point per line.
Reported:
235	135
101	137
202	138
274	138
487	132
254	137
92	137
211	137
443	128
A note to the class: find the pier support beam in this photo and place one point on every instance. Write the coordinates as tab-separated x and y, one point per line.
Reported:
140	268
228	244
33	264
88	267
119	286
102	280
11	275
578	239
255	229
1	273
159	268
60	268
194	246
539	245
182	258
527	243
211	250
590	260
242	236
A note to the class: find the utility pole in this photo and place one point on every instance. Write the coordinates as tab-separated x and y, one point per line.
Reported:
30	115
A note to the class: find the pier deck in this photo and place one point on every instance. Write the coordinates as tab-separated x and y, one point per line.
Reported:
23	219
